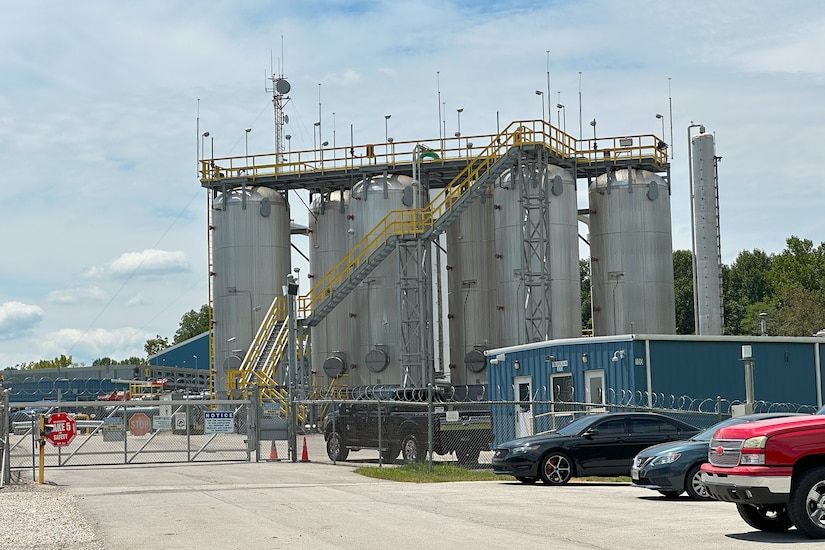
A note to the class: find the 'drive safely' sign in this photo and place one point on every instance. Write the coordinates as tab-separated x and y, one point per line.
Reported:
64	429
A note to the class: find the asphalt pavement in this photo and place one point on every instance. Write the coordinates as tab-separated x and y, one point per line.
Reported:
318	505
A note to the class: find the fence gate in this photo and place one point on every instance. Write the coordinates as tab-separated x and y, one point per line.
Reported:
135	432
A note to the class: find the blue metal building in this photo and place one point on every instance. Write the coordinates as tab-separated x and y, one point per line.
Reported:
652	370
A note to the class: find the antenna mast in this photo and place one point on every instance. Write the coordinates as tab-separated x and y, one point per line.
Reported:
280	87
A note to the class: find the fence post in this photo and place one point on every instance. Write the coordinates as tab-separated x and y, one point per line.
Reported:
380	435
5	470
254	430
430	421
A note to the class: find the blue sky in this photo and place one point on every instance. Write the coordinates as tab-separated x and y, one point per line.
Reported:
105	223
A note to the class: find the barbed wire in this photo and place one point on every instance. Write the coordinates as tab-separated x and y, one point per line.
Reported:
71	389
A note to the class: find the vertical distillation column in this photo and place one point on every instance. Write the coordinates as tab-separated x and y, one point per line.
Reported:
707	276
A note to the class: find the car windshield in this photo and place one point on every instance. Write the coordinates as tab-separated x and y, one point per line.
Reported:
577	426
707	435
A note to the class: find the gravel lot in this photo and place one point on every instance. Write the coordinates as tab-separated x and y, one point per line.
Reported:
43	517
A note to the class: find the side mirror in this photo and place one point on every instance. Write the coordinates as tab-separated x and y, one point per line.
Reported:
590	433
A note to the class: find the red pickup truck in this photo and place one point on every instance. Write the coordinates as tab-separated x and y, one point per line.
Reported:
774	470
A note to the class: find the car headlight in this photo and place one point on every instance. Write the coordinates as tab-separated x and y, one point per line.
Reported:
668	458
523	449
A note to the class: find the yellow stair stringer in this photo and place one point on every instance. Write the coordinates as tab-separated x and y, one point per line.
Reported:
272	327
259	366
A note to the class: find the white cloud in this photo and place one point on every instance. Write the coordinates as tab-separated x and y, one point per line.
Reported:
137	300
118	343
149	262
18	319
76	295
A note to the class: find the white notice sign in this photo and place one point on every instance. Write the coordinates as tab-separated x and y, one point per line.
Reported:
162	423
219	422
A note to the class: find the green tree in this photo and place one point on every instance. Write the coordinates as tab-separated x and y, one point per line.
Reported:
104	361
800	312
683	291
62	361
745	283
155	345
797	276
193	323
133	361
800	265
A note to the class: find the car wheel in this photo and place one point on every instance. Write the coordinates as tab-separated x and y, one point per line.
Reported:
389	455
410	449
806	507
670	494
336	449
527	480
694	486
772	519
556	469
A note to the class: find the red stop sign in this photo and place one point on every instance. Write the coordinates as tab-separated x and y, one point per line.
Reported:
139	424
63	431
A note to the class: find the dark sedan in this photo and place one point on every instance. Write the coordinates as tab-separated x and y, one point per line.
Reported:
600	445
672	468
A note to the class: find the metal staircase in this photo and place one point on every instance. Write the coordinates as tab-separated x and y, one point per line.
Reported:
425	223
409	231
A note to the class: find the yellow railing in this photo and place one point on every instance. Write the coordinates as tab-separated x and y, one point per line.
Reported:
356	157
343	158
276	314
615	149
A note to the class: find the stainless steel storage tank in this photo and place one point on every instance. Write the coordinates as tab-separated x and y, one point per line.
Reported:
471	288
251	259
631	254
707	267
328	243
536	230
375	303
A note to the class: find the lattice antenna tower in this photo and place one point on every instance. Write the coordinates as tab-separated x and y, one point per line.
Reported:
279	88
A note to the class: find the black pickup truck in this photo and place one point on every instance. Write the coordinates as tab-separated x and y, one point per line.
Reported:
399	425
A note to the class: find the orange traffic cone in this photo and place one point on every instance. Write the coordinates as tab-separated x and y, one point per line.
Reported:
273	453
304	454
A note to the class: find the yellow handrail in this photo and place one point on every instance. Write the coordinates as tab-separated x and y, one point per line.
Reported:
355	158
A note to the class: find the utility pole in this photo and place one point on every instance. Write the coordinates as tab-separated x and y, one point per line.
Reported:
290	291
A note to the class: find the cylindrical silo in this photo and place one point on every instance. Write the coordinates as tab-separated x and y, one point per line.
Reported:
251	260
707	251
471	283
631	254
334	337
374	305
536	232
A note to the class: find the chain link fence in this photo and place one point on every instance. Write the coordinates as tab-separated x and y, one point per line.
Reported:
387	426
373	425
133	432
